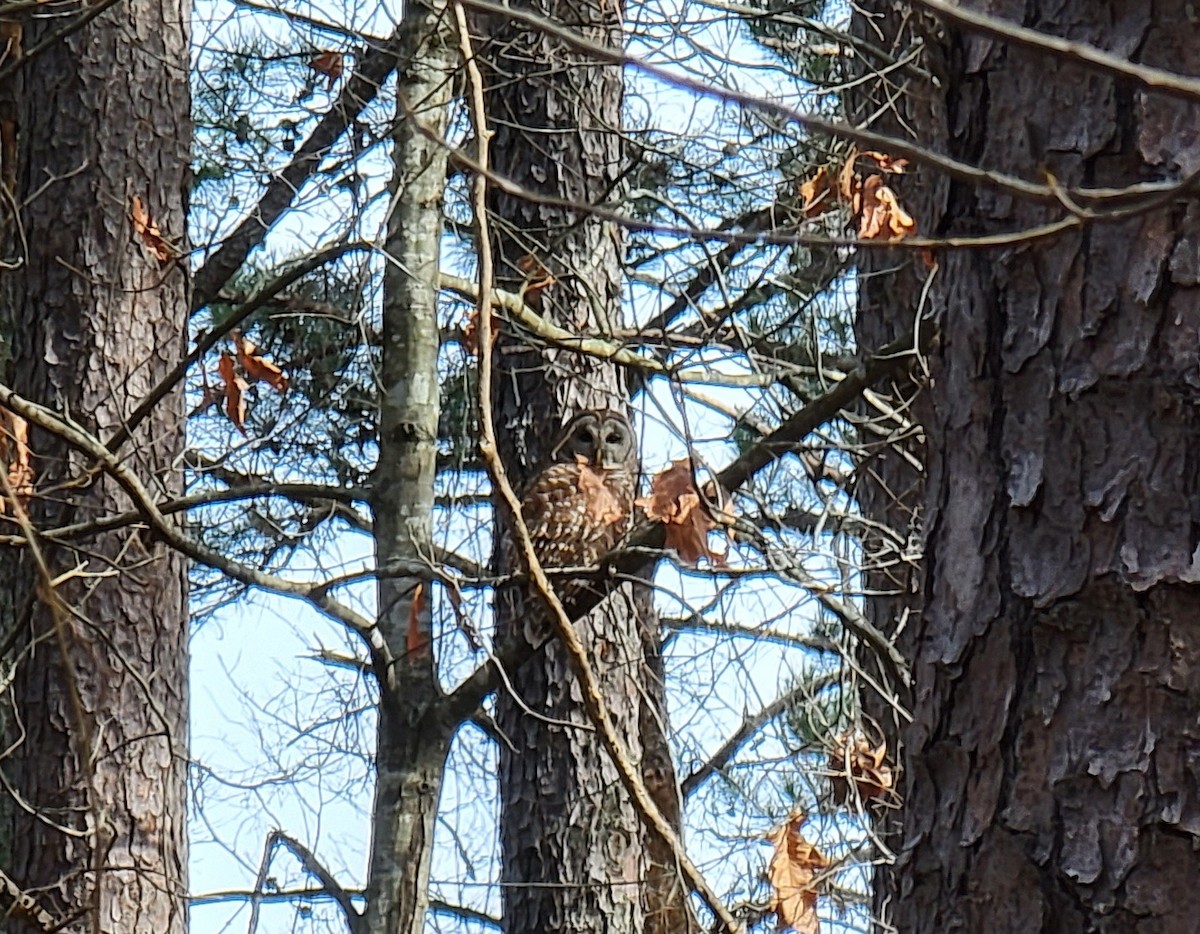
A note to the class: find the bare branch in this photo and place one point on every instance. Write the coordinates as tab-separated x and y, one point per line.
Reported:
143	501
751	724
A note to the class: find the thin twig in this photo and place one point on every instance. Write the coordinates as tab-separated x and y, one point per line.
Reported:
143	501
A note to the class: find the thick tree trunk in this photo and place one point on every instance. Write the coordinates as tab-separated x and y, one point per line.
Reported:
95	320
1051	761
573	851
411	750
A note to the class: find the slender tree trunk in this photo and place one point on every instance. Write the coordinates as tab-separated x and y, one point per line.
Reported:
97	771
573	851
1051	775
411	750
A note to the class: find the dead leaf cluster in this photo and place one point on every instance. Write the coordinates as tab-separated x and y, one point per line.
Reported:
794	871
854	760
687	516
874	208
15	458
236	371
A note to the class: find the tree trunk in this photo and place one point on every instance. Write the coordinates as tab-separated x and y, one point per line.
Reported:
573	851
1051	760
411	751
95	320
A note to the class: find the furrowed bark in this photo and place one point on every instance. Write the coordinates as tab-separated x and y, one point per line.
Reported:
573	850
1052	784
92	319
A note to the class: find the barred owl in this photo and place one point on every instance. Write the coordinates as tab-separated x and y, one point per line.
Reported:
578	508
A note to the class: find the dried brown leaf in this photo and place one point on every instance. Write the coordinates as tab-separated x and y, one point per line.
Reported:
687	519
257	367
235	392
885	162
793	872
146	228
417	636
816	195
15	457
855	760
537	279
330	64
882	217
471	331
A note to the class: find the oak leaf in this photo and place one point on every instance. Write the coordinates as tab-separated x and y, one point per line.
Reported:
147	229
793	873
686	517
235	392
16	457
600	503
257	367
854	760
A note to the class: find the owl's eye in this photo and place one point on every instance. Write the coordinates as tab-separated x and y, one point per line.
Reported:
613	438
583	435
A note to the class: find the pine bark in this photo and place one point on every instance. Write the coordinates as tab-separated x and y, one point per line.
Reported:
574	853
93	321
1051	773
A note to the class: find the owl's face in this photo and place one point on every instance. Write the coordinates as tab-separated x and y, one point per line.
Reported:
603	439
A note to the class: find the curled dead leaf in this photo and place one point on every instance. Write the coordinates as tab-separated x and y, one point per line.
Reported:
600	503
15	458
793	872
537	279
330	64
882	217
257	367
816	194
146	229
686	516
855	761
235	390
471	331
417	636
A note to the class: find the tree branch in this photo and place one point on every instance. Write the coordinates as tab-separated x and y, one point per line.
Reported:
1088	56
750	725
163	528
209	340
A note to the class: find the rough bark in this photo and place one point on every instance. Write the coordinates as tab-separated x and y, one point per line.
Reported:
98	705
411	751
573	851
1052	775
890	488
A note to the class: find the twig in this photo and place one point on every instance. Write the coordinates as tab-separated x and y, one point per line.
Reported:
750	725
209	340
85	443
